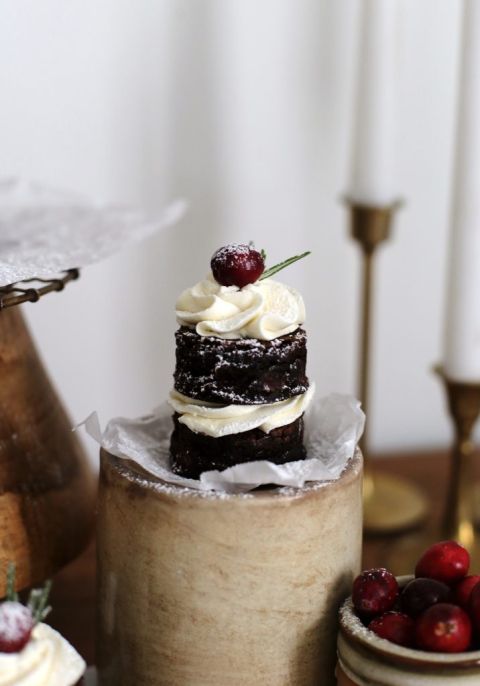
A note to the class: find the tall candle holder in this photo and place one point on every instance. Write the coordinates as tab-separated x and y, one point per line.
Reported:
458	522
390	503
459	517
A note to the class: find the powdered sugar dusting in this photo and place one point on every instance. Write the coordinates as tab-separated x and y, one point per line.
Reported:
224	254
44	230
16	624
130	472
220	370
350	621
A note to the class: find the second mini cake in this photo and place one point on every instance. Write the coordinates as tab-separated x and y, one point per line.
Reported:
240	388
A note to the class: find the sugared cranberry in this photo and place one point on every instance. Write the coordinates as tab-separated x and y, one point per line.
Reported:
446	561
237	265
16	624
474	607
374	592
395	627
463	591
443	628
420	594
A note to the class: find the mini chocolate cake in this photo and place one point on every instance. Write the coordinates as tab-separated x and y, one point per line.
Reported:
194	453
246	371
240	345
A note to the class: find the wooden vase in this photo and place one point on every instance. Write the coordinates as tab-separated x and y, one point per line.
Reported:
47	488
200	589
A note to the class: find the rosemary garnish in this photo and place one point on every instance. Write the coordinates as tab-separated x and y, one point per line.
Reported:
281	265
37	600
11	594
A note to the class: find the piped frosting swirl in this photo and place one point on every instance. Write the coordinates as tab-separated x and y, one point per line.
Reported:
265	309
47	660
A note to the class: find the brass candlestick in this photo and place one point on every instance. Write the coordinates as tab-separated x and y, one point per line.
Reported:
390	503
459	517
458	522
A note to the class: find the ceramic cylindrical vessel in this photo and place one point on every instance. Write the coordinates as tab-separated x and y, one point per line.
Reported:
211	589
364	659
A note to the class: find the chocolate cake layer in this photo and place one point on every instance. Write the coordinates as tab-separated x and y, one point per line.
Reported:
194	453
243	371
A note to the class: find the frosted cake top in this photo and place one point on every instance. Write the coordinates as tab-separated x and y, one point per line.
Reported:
264	310
239	300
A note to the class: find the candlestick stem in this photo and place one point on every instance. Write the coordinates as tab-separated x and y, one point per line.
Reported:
364	371
464	407
390	504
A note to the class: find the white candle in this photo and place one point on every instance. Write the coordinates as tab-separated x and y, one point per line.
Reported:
462	339
372	180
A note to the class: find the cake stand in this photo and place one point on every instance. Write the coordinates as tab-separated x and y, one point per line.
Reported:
47	489
203	588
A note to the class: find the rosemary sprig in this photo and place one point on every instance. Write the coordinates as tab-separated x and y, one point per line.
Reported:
37	602
11	594
281	265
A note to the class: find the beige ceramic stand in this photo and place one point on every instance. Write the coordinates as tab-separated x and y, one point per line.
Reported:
220	590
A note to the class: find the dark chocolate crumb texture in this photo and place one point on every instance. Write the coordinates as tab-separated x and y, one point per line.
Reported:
240	384
245	371
194	453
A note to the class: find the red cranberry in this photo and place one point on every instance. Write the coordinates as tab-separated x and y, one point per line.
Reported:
463	591
474	607
446	561
420	594
16	625
443	628
395	627
374	592
237	265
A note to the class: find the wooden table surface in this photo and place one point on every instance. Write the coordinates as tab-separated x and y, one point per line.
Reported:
73	595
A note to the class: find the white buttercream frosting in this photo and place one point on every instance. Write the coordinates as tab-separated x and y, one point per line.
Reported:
222	420
47	660
264	309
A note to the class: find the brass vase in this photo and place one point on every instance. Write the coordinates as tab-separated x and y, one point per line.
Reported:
47	487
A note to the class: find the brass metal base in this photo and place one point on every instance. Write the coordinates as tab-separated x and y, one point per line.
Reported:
392	504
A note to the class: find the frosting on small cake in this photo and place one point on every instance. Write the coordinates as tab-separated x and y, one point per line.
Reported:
265	309
222	420
47	660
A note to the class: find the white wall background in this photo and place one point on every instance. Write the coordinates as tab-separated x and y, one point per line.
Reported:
245	108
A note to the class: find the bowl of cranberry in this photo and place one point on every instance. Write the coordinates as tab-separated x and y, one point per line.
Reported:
418	630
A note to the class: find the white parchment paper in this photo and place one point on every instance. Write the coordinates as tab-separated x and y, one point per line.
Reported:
333	427
45	231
